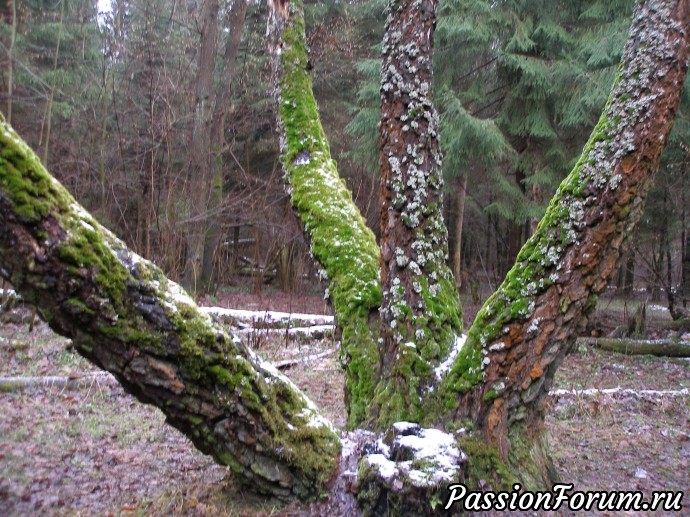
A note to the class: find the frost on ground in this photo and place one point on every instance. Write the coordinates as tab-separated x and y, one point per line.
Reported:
97	451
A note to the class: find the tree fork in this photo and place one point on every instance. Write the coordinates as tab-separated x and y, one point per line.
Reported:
126	317
525	329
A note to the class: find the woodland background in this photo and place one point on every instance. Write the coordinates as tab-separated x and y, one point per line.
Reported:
113	101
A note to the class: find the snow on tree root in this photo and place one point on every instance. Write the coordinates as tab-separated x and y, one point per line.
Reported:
406	472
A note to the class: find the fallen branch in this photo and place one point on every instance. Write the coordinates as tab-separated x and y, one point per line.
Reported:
674	324
592	392
9	384
313	332
288	363
266	319
657	347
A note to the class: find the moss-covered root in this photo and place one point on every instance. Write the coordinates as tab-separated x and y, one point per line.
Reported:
344	248
524	330
127	318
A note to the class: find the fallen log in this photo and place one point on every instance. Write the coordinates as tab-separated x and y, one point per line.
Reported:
10	384
266	319
657	347
619	392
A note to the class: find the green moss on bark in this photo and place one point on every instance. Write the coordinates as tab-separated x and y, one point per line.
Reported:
484	465
125	316
343	246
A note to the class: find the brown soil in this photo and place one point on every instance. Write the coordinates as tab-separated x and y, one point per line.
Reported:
97	451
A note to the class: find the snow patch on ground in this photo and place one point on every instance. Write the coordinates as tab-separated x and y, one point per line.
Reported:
386	468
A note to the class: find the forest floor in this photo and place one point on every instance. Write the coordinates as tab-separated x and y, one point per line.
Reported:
97	451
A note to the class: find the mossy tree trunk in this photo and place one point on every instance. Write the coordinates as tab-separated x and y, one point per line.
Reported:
344	249
125	316
525	329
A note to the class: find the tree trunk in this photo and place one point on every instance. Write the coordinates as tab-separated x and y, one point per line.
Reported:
685	255
685	278
200	177
524	330
127	318
343	247
460	197
515	228
47	124
629	282
420	314
10	61
236	17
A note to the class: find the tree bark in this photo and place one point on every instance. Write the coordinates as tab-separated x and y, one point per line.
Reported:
123	315
343	247
420	313
524	330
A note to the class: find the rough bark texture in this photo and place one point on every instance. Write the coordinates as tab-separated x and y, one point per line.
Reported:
524	330
127	318
421	313
344	248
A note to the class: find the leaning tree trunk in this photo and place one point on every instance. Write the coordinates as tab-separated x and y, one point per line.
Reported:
344	248
521	335
127	318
